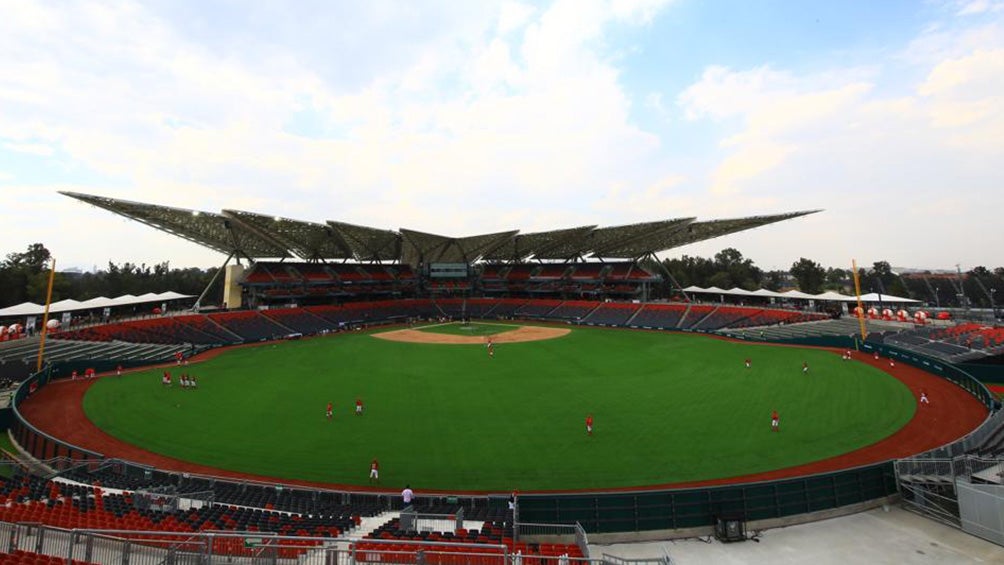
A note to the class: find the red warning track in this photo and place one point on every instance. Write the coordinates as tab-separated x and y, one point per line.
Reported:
58	410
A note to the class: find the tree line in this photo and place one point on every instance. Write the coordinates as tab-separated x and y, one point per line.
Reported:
976	288
24	278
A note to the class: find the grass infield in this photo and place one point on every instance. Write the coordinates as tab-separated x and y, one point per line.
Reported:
472	329
668	407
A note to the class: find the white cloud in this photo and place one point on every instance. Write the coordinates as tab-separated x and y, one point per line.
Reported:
40	149
513	16
637	11
520	107
494	116
872	149
975	7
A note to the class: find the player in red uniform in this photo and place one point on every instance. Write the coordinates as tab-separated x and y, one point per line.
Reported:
805	367
775	421
330	411
749	363
491	349
374	470
923	398
167	378
118	371
177	357
589	424
359	407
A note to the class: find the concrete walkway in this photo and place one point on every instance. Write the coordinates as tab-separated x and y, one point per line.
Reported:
893	536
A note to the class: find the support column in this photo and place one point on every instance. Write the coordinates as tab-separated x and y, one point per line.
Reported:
231	289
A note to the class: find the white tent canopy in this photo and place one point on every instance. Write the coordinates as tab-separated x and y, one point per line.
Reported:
97	302
887	298
67	305
798	294
70	305
835	296
828	296
22	309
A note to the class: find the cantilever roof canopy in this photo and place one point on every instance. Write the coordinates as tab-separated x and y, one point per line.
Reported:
261	236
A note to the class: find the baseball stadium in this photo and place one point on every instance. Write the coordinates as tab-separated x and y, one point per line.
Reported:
367	395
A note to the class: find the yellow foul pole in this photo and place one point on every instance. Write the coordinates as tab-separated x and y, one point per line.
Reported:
45	316
857	292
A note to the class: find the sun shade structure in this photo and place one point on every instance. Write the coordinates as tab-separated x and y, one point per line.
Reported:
261	236
70	305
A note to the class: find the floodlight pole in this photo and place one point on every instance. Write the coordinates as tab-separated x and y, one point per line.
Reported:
857	292
205	291
45	316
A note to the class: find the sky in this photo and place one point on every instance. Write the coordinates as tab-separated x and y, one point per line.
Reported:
460	118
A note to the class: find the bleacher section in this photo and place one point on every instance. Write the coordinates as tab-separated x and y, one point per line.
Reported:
314	283
821	327
612	314
270	282
491	534
955	344
659	316
171	329
65	505
136	503
250	325
572	310
537	308
22	355
506	308
547	280
694	315
299	320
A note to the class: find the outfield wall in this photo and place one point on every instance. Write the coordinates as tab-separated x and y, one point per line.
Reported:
700	507
666	509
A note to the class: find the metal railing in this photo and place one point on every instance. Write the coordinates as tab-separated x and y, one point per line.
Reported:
413	521
924	469
525	531
128	547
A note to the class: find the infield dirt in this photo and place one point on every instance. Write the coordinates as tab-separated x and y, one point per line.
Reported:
520	334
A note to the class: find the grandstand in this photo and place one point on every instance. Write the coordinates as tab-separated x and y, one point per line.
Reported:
305	278
315	264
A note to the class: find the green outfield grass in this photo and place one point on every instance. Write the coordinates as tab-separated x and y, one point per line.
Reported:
668	407
473	328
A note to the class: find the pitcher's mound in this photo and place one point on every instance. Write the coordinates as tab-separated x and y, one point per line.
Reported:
522	333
